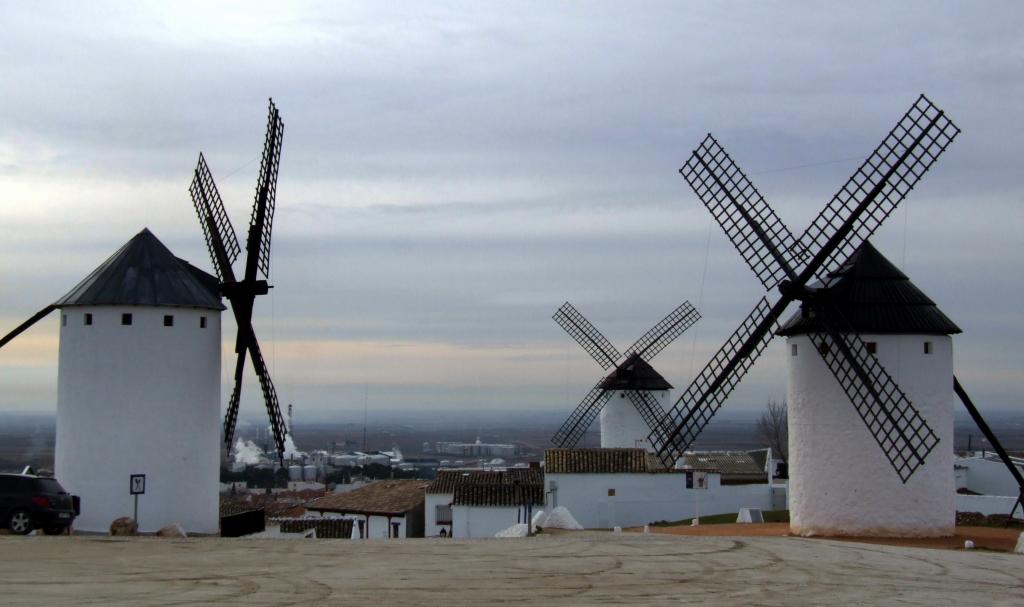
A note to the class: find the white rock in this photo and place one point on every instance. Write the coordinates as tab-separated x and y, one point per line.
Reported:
172	530
968	545
517	530
616	529
1019	549
561	518
540	519
647	529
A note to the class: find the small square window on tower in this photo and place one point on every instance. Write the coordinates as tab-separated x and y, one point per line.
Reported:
792	349
87	320
63	320
126	318
202	322
168	320
872	347
927	347
611	493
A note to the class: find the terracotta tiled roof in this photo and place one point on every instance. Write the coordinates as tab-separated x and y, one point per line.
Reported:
273	504
448	480
498	495
601	461
384	498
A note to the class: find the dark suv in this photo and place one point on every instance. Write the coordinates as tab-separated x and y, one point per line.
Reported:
28	502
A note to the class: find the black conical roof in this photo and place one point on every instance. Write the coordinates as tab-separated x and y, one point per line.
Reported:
635	374
145	273
875	297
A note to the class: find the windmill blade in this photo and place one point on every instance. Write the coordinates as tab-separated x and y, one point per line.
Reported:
220	235
586	335
665	332
651	412
231	416
878	186
269	394
583	415
25	325
712	387
262	219
764	241
895	423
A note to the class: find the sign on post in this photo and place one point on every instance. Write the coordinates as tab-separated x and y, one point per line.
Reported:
696	479
137	487
138	484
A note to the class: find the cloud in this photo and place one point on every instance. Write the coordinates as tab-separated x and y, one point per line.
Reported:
452	173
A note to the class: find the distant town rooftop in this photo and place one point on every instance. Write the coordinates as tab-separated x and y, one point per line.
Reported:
383	498
734	466
448	481
601	461
498	495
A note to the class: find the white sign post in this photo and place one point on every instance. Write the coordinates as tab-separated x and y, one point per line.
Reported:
696	480
137	487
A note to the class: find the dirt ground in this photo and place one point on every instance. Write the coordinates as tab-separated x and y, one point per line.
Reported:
573	568
990	538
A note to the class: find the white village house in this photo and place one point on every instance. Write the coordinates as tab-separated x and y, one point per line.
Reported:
604	488
985	485
382	510
480	503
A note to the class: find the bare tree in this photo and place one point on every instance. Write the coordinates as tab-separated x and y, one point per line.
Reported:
773	428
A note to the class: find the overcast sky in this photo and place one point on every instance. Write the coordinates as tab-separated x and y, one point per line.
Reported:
451	174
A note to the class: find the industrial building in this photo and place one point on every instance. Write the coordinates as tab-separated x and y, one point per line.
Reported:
476	449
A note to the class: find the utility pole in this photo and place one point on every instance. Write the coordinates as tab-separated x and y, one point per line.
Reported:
366	408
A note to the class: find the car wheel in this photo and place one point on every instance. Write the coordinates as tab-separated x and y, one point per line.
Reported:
54	530
20	523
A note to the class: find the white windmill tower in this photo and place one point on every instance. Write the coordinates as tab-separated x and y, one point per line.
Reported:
139	389
840	483
631	399
139	375
622	425
869	456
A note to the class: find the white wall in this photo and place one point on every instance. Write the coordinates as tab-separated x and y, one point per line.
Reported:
378	529
987	504
987	476
140	399
960	478
780	495
621	424
430	526
840	481
483	521
645	498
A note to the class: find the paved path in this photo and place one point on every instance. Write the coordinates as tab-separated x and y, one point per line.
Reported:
572	568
